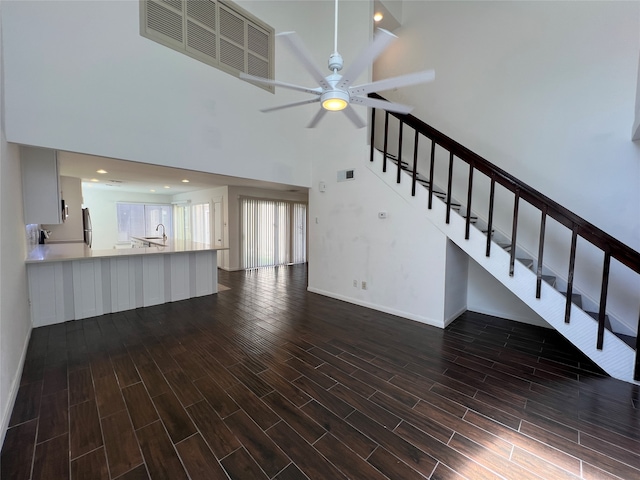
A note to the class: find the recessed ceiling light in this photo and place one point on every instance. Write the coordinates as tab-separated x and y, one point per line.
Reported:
377	16
167	186
101	171
185	181
95	180
152	190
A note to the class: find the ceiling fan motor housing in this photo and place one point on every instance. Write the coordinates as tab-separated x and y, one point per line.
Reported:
335	62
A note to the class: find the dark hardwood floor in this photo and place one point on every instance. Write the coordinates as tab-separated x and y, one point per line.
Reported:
266	380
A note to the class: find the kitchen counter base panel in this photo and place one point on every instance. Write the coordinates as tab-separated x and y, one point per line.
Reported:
63	290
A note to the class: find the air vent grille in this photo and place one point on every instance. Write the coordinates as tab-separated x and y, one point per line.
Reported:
201	39
174	3
164	21
258	41
257	66
204	11
224	36
231	55
231	27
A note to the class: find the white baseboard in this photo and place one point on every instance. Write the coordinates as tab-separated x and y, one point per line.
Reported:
380	308
15	385
451	318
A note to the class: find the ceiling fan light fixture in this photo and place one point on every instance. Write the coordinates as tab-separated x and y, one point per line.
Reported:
335	100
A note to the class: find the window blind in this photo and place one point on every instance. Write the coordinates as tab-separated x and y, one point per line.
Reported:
273	232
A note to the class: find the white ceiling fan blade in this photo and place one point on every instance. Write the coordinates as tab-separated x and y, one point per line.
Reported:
290	86
314	121
394	82
366	57
382	104
293	41
289	105
354	117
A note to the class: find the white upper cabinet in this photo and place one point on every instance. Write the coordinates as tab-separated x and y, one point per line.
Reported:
40	185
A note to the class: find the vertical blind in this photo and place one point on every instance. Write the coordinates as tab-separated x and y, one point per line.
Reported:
274	232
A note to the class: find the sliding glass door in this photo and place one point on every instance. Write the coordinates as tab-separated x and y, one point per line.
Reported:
274	232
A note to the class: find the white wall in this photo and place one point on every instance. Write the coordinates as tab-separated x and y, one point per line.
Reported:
15	322
635	131
402	258
80	78
545	90
456	272
486	295
104	218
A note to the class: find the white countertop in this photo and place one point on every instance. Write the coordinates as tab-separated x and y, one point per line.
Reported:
62	252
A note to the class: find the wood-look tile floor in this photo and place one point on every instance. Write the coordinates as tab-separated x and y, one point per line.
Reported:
266	380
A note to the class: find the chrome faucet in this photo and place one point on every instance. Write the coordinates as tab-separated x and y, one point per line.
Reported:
164	236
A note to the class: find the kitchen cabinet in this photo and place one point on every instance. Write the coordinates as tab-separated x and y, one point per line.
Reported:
40	186
72	229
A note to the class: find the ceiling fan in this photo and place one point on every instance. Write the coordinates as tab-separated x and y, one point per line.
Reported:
335	91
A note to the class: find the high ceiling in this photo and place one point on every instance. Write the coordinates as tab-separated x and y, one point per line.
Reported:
146	178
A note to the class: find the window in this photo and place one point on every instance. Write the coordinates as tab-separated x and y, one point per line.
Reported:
215	32
141	220
193	222
274	232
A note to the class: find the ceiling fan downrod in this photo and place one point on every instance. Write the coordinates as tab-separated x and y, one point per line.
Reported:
335	59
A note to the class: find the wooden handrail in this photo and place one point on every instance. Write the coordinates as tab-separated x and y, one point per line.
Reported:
594	235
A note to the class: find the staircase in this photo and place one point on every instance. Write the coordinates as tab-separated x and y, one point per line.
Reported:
583	321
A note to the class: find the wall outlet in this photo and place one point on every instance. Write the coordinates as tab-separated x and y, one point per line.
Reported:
364	285
355	283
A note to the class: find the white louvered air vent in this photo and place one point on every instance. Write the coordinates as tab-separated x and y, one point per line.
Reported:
222	35
201	40
203	11
164	21
231	26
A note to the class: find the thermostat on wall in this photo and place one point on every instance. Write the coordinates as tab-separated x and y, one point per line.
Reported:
344	175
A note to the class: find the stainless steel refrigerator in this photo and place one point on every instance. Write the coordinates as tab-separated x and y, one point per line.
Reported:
86	226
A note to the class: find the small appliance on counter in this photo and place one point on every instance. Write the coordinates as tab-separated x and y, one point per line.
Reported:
44	234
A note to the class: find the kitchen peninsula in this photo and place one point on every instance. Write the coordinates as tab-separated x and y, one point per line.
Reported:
70	281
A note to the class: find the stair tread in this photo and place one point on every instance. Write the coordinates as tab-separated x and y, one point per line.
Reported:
505	246
607	323
628	339
575	298
527	262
